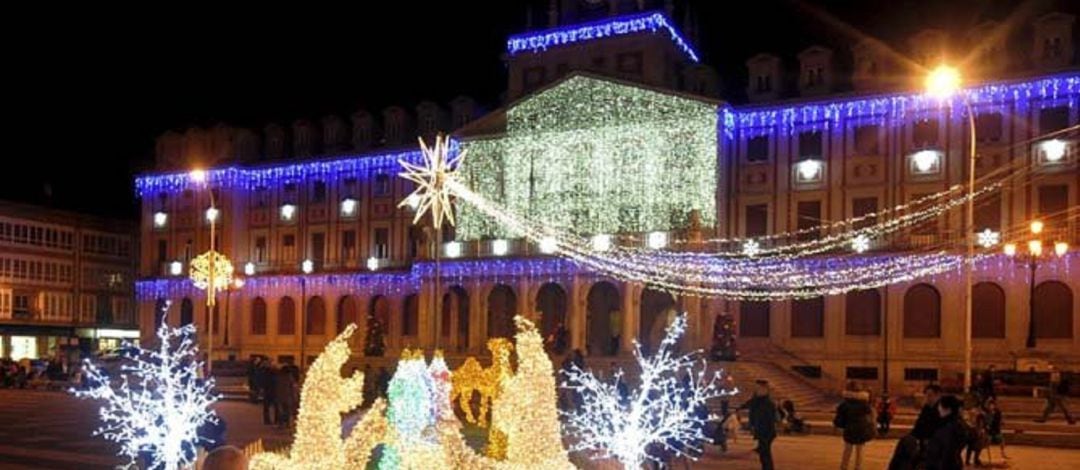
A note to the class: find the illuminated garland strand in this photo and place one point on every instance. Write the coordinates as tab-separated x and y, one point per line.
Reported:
718	285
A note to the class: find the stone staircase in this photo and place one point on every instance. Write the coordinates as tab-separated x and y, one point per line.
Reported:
785	385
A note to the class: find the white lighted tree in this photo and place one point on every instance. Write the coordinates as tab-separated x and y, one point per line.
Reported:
157	404
662	412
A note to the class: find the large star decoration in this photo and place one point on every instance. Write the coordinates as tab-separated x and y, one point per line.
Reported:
432	191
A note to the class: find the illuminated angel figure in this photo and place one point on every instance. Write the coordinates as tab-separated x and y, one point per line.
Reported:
433	181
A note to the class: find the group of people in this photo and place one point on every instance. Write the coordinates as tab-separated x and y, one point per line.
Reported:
278	388
941	434
946	435
26	373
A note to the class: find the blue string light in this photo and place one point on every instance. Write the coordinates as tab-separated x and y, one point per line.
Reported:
652	22
534	270
362	167
819	115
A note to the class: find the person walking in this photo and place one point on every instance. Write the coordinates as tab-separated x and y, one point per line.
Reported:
287	396
994	424
763	418
910	448
855	416
267	376
1055	396
944	447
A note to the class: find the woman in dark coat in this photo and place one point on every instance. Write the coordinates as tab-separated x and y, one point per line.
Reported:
855	416
943	449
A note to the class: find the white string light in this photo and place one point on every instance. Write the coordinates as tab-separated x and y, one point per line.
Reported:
158	404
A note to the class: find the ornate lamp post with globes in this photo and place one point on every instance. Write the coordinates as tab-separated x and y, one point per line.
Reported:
1032	255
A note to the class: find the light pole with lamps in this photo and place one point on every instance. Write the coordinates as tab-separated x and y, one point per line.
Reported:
210	271
943	83
306	267
1033	255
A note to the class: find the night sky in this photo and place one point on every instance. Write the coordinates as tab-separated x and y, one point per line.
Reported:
89	89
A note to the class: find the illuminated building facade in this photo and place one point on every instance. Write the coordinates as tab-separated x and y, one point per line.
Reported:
608	150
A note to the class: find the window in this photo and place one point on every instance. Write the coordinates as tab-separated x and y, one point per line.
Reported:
988	213
286	316
629	63
1053	199
987	310
927	227
808	318
862	313
861	206
1053	309
763	84
316	317
318	247
288	246
318	192
810	145
350	187
754	319
867	140
532	78
925	133
382	185
1053	119
757	220
757	149
809	217
162	251
860	373
21	305
260	249
348	244
988	127
258	316
922	312
920	375
382	243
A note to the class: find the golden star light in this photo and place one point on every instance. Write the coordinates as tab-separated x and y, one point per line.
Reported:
432	179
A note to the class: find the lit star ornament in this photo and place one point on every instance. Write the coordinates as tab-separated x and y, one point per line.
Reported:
433	181
988	238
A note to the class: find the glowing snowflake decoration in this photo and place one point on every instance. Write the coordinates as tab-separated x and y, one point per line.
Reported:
988	238
669	409
158	403
202	276
433	181
751	248
860	243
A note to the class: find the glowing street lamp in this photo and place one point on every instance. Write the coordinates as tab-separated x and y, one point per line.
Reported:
943	83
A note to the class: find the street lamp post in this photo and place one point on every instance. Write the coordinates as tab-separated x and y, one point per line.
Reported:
943	82
211	270
1033	255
